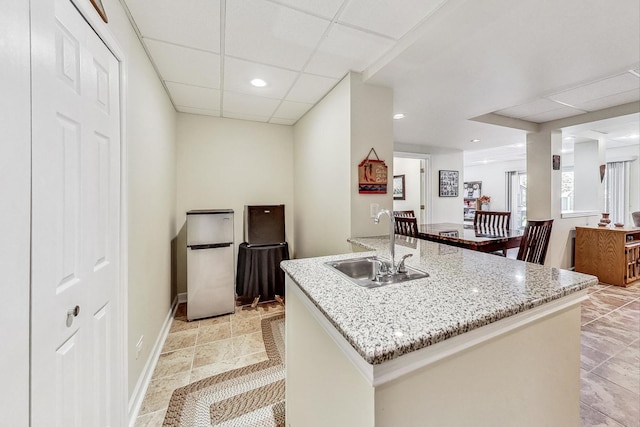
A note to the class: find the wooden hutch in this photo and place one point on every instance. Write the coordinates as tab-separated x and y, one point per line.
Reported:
611	253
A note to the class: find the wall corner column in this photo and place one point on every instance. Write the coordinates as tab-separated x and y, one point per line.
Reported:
544	185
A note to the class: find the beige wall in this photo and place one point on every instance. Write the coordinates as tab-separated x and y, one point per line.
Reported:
227	163
322	176
330	141
446	209
371	127
410	168
15	180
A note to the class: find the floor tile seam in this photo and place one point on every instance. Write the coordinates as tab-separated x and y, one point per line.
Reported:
164	377
250	354
609	357
623	349
617	360
211	342
601	413
613	382
177	349
618	308
607	313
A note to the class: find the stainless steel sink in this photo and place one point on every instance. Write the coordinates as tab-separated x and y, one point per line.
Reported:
362	272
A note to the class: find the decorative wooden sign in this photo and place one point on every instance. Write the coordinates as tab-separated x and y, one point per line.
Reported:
372	175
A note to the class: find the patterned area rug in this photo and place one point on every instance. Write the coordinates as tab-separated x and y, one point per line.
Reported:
249	396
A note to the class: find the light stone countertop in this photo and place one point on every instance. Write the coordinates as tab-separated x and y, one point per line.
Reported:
465	290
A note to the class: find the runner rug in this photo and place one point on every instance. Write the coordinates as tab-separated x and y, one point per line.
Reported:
249	396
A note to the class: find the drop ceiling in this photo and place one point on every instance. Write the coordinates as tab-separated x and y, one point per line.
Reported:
448	61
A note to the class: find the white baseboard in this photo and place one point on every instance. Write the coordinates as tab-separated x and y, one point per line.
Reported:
135	403
182	298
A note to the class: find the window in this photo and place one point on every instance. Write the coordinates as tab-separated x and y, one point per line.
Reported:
567	193
517	198
616	193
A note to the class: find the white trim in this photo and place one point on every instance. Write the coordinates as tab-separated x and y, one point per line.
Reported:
426	179
137	397
182	297
377	375
578	214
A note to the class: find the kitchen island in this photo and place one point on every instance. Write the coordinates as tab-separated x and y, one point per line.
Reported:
484	340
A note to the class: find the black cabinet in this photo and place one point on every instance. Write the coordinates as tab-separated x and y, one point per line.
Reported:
259	272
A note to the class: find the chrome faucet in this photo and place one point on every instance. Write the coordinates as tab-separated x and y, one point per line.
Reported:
401	267
392	236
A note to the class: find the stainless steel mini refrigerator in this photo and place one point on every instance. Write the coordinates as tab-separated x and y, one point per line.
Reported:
264	225
210	272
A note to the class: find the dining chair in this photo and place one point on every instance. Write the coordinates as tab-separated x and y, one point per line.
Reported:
404	213
636	218
535	241
406	226
491	220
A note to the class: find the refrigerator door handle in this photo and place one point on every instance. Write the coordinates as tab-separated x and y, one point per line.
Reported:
210	246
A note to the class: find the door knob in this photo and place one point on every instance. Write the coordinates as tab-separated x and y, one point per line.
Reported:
71	313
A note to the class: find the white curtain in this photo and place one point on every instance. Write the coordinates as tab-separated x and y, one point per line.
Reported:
616	194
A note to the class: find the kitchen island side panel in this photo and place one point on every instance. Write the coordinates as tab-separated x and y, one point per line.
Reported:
529	377
323	388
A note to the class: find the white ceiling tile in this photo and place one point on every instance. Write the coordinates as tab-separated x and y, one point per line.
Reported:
391	18
599	89
310	88
185	65
238	74
279	121
292	110
347	49
530	108
199	111
324	8
271	34
194	96
249	117
611	100
559	113
193	23
241	103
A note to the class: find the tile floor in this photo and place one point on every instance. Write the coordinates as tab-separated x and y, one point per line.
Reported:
610	355
199	349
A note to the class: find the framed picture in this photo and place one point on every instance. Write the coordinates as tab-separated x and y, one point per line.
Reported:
472	190
448	183
398	187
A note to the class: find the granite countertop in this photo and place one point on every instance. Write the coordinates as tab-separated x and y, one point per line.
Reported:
465	290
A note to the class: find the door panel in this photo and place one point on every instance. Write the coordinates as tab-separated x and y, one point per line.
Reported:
75	221
69	389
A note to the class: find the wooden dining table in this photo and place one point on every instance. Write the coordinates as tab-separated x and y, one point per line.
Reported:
468	237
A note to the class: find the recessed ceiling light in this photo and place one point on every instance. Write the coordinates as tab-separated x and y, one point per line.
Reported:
399	116
475	140
258	83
